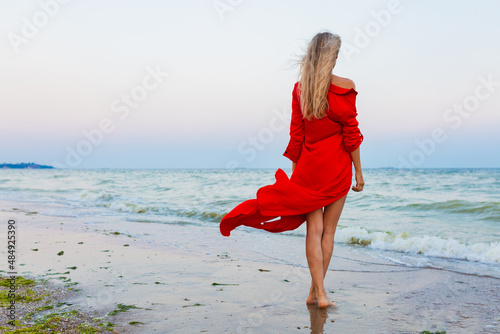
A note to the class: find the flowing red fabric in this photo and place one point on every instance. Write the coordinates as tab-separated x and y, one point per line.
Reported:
323	174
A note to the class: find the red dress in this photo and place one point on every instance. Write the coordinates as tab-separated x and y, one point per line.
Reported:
323	173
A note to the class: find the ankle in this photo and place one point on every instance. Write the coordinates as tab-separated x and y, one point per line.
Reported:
321	293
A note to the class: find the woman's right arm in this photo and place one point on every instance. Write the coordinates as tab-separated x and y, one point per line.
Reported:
353	138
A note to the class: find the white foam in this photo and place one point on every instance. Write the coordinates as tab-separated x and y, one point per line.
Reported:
427	245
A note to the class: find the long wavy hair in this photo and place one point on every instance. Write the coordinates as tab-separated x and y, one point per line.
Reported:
316	67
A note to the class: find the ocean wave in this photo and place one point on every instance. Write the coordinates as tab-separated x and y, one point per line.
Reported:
205	215
58	176
421	188
156	210
102	182
426	245
161	189
96	196
130	207
108	200
21	190
135	205
455	206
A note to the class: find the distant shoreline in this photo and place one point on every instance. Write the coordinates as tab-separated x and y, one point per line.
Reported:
25	165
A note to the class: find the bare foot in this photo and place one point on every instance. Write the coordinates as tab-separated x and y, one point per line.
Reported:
324	301
312	299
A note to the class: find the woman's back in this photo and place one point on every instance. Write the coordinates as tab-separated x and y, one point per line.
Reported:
318	145
341	101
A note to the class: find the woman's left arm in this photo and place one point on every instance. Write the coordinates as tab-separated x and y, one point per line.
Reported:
294	147
358	174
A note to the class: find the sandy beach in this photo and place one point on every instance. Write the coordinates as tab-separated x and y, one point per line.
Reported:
221	288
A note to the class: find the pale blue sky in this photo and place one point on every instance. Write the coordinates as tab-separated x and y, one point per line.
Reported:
226	98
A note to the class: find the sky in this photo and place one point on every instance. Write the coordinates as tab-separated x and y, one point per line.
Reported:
208	83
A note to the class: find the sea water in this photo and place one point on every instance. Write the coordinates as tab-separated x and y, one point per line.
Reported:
440	218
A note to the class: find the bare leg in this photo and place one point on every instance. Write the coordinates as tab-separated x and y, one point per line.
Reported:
331	217
314	255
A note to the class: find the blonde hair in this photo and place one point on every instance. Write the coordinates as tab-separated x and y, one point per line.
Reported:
316	67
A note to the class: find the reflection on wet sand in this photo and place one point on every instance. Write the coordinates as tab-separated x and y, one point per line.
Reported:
318	317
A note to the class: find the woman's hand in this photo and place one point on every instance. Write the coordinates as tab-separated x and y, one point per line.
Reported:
293	166
360	183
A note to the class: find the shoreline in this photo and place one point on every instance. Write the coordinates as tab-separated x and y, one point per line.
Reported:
43	305
221	289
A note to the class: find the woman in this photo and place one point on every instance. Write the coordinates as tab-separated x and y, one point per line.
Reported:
324	144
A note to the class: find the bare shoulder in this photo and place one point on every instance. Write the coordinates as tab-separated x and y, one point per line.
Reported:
343	82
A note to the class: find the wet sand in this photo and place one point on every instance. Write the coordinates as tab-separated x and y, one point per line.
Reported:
180	290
